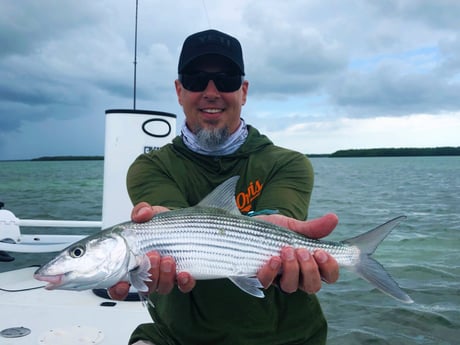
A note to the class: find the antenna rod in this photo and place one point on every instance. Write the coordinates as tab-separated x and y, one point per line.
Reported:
135	57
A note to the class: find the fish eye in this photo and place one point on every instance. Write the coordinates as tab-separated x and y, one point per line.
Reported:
77	251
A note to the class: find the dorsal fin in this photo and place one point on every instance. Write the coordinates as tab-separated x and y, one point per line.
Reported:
223	197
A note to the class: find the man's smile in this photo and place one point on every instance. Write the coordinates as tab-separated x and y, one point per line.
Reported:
212	110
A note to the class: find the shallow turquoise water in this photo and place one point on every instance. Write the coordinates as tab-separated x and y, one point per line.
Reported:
422	253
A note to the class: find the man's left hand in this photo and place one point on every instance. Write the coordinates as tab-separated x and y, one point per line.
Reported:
300	268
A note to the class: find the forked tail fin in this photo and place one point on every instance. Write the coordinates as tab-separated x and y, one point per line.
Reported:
369	268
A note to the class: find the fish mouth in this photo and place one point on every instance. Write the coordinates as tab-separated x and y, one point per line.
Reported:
53	281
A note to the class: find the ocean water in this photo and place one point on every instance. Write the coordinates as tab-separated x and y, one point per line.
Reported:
70	190
422	253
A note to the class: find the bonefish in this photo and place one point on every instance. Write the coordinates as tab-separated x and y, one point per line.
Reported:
210	240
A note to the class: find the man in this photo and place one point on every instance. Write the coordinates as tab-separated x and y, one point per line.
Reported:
215	145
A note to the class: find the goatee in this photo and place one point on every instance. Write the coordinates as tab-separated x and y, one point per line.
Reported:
212	138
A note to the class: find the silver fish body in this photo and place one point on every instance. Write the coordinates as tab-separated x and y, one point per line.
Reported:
210	240
211	243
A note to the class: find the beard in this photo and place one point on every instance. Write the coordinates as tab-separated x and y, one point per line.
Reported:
212	138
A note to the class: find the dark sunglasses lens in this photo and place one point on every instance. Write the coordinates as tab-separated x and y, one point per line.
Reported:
194	82
198	82
228	83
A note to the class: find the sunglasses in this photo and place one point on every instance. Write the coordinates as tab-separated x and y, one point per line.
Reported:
224	82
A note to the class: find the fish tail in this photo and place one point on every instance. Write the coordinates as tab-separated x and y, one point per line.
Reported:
369	268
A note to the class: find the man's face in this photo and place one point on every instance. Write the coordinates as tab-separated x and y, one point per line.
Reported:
211	110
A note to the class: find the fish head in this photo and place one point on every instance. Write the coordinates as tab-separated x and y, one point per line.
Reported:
98	261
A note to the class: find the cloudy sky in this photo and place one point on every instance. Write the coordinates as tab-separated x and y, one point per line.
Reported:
324	75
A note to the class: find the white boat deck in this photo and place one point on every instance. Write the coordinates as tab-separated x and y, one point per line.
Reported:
63	317
67	317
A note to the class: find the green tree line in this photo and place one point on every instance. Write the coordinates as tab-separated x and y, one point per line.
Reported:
398	152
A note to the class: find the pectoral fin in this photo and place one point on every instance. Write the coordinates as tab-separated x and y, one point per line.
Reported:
250	285
139	275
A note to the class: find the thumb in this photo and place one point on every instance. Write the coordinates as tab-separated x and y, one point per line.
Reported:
319	227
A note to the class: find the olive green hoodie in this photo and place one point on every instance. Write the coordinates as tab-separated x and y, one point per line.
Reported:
216	311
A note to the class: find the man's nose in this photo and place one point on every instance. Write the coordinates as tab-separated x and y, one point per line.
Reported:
211	90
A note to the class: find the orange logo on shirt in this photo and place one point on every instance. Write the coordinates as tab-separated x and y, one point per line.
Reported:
244	199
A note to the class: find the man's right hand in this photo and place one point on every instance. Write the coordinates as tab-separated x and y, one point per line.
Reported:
163	269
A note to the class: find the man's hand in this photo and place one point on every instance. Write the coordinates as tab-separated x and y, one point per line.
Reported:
163	269
300	268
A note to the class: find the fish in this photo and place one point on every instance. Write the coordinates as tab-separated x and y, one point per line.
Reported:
210	240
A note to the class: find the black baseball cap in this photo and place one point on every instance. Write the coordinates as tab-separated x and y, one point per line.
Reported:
211	42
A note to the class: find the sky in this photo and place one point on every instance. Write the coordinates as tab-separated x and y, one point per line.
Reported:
324	75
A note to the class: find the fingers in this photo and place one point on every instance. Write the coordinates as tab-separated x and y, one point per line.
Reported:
305	271
162	273
289	281
318	227
185	282
143	212
167	277
310	278
315	228
269	271
155	261
162	269
162	278
327	266
119	291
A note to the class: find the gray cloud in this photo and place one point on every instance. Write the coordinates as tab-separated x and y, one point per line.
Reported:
305	59
385	92
367	59
25	26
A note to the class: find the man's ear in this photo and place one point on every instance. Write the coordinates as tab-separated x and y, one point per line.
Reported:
178	86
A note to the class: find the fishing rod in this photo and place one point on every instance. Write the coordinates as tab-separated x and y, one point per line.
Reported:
135	56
